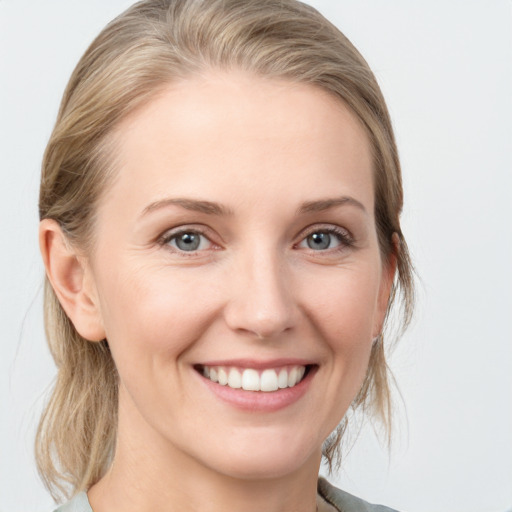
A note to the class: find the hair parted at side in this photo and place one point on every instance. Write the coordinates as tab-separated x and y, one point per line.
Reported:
152	44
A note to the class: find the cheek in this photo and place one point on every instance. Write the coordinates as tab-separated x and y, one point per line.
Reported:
343	305
151	317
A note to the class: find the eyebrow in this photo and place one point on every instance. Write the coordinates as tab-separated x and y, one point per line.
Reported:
195	205
211	208
326	204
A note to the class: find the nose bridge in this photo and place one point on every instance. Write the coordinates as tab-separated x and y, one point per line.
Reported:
261	301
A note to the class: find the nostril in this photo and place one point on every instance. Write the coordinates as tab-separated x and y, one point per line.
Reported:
263	306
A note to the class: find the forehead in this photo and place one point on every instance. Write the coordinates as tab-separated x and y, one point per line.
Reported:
230	133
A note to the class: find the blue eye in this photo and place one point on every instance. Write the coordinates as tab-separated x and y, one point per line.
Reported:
319	241
188	241
325	239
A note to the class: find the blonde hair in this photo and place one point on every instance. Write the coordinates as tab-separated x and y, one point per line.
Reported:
153	43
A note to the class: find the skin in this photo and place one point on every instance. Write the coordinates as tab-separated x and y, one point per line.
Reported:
254	289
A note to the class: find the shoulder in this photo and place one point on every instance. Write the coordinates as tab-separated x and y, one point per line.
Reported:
345	502
79	503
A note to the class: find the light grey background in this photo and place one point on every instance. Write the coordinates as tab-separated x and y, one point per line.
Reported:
445	67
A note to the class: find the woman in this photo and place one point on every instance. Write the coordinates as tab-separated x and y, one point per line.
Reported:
219	207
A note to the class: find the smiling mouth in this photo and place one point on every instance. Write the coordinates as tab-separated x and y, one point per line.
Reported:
251	379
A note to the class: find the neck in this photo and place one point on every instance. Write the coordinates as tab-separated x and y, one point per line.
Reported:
148	485
149	473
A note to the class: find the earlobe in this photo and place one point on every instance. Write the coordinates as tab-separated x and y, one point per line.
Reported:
69	278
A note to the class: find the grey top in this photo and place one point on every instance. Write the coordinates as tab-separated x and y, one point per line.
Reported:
79	503
345	502
340	500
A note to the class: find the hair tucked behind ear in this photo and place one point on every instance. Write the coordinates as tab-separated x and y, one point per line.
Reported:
153	43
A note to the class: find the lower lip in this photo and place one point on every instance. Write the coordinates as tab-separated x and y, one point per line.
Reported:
260	401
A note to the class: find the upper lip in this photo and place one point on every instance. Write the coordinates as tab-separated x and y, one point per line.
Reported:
259	364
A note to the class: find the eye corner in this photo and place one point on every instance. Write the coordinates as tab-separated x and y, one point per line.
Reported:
193	242
323	237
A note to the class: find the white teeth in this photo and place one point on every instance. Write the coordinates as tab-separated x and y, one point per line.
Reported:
282	380
250	379
292	377
269	381
223	376
234	379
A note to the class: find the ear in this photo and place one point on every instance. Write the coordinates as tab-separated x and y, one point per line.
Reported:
386	285
71	281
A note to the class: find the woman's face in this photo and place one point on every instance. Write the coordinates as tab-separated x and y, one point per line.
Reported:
238	244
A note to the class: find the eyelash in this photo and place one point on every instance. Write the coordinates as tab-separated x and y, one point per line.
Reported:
169	236
344	237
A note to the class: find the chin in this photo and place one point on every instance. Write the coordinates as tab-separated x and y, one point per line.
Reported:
261	460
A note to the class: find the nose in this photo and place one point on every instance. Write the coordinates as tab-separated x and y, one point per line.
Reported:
261	299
